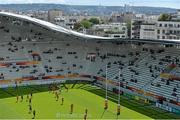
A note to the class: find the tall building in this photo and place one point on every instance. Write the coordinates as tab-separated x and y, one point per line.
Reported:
135	28
159	30
52	14
43	15
148	31
67	21
168	30
122	17
154	29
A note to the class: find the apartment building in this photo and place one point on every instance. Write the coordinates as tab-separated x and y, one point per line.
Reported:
168	30
148	31
117	30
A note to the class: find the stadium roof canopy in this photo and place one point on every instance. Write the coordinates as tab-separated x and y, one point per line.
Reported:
52	26
62	30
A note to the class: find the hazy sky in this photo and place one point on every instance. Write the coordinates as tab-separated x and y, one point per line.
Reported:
156	3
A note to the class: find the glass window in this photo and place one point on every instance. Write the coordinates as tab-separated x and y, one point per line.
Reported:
158	31
163	31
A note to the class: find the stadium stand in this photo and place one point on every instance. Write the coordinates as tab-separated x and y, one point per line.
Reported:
32	52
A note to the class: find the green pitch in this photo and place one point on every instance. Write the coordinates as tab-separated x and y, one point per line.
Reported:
47	107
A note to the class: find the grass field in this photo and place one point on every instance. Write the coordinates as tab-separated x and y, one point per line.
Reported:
82	96
46	106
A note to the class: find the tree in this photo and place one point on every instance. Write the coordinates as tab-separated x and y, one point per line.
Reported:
86	24
78	26
94	21
164	17
128	23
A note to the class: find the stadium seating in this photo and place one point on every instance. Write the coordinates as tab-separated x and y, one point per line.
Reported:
30	51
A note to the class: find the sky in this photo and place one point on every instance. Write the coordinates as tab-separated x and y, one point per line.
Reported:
154	3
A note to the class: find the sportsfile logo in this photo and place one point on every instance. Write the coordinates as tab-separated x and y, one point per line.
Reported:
72	116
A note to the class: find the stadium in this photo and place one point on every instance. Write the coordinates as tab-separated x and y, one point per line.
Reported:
70	75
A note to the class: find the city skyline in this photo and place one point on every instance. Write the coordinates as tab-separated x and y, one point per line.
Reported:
153	3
